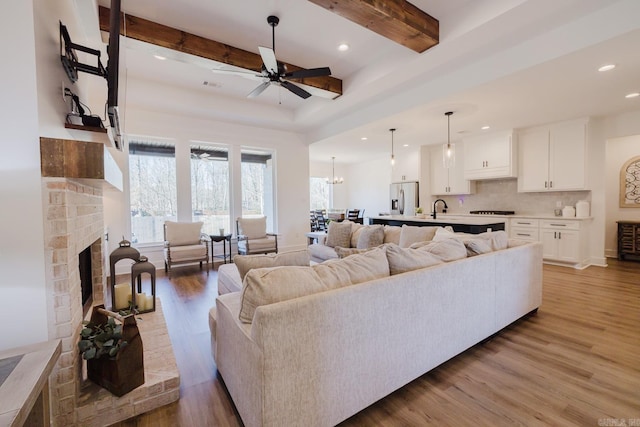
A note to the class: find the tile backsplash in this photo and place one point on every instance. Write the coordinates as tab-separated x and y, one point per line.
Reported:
502	194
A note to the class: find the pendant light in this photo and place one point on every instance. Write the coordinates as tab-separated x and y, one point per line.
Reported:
335	179
448	149
393	158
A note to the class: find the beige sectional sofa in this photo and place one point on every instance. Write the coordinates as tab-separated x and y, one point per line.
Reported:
332	350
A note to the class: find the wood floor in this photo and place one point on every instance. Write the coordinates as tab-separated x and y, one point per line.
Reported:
575	363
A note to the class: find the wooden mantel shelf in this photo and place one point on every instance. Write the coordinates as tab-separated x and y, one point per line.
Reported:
87	128
24	395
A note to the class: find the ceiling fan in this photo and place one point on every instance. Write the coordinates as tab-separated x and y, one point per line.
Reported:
275	72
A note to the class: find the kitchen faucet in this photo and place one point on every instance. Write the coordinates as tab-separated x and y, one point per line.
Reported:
444	210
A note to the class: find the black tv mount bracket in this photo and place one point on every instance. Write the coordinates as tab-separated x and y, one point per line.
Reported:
70	59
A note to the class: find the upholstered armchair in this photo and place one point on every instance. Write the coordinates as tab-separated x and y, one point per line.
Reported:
253	237
184	243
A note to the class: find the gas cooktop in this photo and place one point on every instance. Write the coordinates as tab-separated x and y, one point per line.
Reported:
492	212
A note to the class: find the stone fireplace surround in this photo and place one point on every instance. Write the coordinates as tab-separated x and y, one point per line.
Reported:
74	220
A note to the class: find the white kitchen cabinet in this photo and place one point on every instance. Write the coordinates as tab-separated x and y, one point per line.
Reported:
524	229
491	156
448	181
407	166
552	158
561	240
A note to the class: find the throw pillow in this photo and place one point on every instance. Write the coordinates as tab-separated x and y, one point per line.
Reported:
345	252
402	260
443	234
370	236
248	262
412	234
263	286
392	234
497	239
477	247
356	229
339	234
446	250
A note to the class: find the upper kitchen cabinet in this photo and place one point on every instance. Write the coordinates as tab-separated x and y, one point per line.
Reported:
552	158
448	181
407	166
491	156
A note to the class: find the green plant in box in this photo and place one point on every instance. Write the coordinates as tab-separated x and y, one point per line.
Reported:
100	340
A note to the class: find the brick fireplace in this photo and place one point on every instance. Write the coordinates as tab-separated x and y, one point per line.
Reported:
72	190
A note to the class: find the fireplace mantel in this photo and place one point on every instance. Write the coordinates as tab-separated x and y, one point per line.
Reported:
90	162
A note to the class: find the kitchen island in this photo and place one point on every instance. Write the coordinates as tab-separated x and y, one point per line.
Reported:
459	224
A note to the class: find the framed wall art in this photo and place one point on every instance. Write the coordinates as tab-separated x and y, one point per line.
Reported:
630	183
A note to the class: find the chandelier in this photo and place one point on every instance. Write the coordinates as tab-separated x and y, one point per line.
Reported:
335	179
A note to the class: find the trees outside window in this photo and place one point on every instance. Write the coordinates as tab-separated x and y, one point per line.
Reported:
319	193
152	178
257	184
210	187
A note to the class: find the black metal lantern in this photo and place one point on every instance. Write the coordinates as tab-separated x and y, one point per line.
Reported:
124	251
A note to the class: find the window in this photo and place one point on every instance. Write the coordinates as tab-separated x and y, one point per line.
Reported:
152	178
320	193
210	187
257	185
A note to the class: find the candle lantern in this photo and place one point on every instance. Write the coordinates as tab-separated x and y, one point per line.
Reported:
145	302
124	251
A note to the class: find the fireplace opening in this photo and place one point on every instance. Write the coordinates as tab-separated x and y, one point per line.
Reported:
86	279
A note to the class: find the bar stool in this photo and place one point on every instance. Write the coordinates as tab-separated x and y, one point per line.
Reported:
142	265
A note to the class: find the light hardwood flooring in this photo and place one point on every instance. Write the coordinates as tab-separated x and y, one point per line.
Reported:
574	363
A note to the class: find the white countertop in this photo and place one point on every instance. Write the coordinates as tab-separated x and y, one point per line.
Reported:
529	216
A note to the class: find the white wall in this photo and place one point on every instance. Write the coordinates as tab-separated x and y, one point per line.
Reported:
619	151
23	299
369	186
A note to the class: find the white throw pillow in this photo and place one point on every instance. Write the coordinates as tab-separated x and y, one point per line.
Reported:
443	234
402	260
392	234
446	250
413	234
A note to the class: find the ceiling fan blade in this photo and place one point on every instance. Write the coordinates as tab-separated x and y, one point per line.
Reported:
257	91
246	74
295	89
312	72
269	59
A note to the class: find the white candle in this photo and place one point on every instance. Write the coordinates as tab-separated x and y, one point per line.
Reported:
140	301
122	295
148	302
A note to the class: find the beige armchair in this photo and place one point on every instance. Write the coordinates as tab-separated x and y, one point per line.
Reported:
253	237
184	243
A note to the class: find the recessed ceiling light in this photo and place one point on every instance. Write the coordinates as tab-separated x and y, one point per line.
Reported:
607	67
405	145
485	127
632	95
342	47
160	57
364	138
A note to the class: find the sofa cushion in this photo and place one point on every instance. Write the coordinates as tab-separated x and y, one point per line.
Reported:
184	253
477	246
183	233
444	234
445	250
370	236
247	262
263	286
321	252
339	234
412	234
392	234
253	228
402	260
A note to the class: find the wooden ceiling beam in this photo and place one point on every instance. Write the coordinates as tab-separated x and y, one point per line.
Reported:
181	41
397	20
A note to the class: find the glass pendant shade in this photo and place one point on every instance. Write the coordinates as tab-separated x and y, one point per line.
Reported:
393	158
448	149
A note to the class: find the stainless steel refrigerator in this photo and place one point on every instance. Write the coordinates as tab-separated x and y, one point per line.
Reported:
404	198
